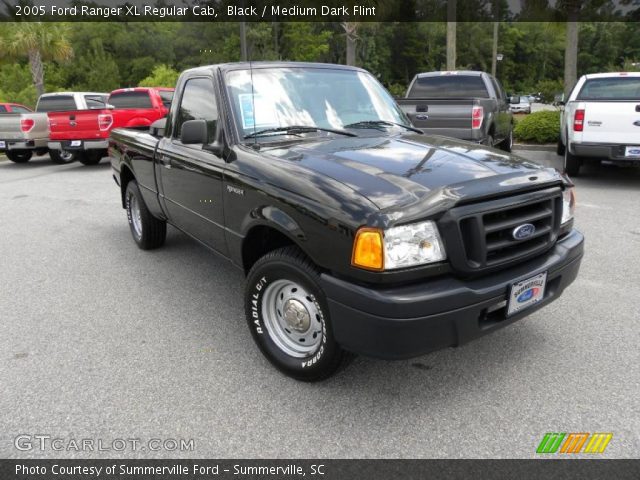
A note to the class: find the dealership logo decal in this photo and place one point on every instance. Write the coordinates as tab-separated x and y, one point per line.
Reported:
574	442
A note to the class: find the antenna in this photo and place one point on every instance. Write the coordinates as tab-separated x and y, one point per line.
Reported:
253	107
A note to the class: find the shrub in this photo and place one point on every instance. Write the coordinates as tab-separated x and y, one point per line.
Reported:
539	127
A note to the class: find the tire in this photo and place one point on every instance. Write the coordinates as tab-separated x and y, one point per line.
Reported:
507	143
19	156
62	157
560	147
288	316
571	163
90	157
148	232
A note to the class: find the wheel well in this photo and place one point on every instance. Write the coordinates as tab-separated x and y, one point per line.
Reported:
260	241
125	177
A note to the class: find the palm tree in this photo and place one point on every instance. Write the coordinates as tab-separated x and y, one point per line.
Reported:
38	42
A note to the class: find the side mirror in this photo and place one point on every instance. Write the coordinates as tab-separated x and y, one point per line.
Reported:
514	100
157	128
194	132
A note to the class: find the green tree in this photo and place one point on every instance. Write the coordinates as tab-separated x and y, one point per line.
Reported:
161	76
38	42
305	41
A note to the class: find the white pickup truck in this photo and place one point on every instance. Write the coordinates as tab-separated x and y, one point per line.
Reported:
601	120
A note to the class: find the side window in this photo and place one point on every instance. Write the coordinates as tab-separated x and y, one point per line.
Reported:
94	102
18	109
498	88
3	108
198	102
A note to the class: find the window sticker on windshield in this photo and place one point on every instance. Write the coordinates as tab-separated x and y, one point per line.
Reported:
265	114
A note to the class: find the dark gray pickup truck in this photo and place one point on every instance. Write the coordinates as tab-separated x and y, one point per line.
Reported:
467	105
357	232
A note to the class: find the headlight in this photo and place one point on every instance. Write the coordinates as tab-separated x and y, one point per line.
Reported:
568	204
398	247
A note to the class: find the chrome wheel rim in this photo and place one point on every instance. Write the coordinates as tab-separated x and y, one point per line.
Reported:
135	215
66	156
292	318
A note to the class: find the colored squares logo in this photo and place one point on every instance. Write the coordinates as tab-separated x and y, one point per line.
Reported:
574	443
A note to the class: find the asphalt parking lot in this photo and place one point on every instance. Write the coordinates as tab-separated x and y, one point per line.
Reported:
100	340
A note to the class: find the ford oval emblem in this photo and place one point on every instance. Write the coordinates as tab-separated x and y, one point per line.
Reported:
524	231
637	123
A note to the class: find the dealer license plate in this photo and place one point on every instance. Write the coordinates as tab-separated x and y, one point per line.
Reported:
526	293
75	143
3	145
632	152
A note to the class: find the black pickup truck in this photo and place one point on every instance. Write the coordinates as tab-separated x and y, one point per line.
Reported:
357	232
468	105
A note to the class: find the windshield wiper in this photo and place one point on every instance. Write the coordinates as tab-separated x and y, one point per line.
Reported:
381	123
297	129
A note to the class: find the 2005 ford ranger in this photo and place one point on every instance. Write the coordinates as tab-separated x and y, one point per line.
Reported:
357	232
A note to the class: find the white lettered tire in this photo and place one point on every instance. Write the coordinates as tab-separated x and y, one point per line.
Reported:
288	316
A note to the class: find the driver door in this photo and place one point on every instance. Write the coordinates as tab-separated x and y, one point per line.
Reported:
192	176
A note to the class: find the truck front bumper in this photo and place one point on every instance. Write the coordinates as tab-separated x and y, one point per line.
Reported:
411	320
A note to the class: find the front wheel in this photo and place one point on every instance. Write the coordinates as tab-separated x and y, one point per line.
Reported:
289	318
148	232
571	163
62	156
19	156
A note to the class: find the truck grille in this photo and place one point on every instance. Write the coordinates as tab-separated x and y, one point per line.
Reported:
480	237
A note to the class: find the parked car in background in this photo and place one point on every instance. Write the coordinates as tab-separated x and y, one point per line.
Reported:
84	133
14	108
356	231
520	104
468	105
22	132
601	121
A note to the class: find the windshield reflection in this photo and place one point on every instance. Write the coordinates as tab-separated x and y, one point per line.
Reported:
308	96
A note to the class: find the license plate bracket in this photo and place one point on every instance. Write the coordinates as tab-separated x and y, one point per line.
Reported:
525	293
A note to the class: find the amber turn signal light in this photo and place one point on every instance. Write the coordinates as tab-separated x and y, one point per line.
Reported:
367	249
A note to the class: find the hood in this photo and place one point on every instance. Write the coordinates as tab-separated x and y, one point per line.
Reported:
394	172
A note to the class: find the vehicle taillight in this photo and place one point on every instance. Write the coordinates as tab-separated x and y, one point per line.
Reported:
578	120
476	117
26	124
105	120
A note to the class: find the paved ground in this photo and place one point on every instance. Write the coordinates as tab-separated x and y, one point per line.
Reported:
101	340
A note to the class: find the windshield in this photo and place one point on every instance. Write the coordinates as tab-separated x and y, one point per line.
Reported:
305	96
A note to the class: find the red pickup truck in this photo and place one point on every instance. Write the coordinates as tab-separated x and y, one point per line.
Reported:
86	132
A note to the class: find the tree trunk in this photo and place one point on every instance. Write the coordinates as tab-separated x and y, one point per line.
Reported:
351	30
571	53
494	50
37	71
451	35
243	42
